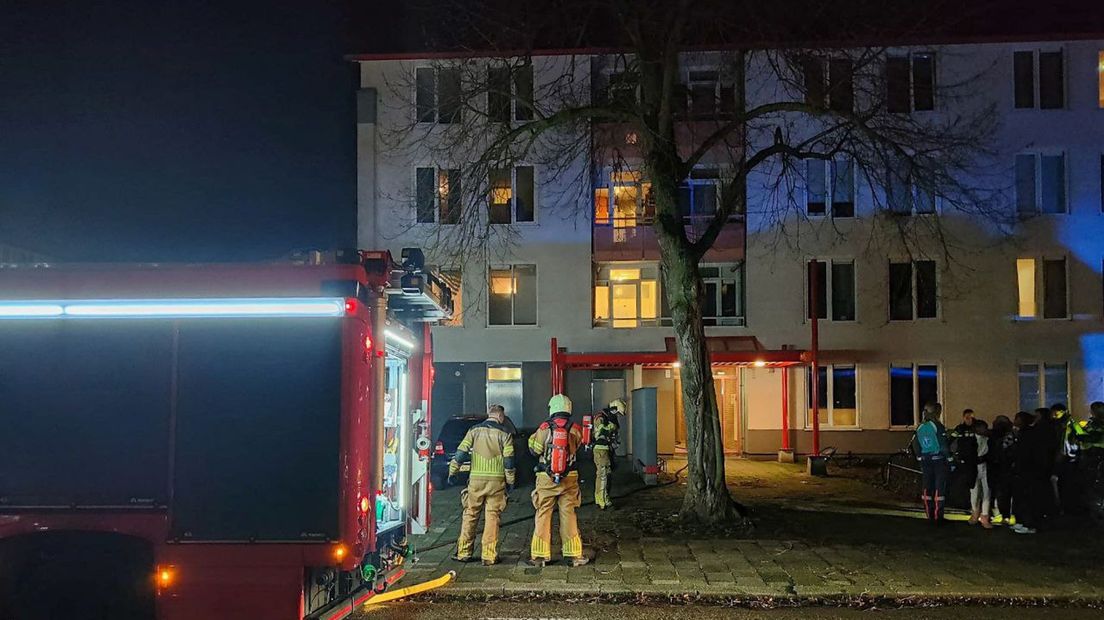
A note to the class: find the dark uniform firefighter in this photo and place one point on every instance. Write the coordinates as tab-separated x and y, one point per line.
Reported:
555	444
489	446
606	429
1089	437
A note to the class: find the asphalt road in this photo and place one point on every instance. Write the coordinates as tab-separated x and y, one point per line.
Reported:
584	611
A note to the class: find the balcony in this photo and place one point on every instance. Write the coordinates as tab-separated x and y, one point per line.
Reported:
634	239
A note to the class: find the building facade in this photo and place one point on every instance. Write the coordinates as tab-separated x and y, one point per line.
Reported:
1006	319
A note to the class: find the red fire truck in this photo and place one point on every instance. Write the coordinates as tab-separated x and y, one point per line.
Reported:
213	441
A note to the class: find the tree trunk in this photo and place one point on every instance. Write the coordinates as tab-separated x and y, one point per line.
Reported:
707	499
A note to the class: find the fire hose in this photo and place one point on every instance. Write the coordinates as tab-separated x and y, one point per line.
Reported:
432	584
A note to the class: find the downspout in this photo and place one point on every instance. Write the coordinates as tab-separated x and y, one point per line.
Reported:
814	295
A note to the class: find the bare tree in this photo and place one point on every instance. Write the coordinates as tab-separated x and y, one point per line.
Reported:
769	105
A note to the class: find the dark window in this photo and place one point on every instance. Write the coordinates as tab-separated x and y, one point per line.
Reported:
524	190
1051	81
927	385
622	90
902	403
923	82
425	79
425	180
812	69
1024	73
897	84
1025	185
523	93
843	387
842	90
927	296
498	94
449	97
816	182
843	188
900	291
822	389
1054	289
843	291
1053	168
818	297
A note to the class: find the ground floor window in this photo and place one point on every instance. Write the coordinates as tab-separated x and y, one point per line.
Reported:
836	396
911	386
1043	384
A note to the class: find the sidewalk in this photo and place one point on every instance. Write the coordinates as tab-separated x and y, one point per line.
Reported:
815	539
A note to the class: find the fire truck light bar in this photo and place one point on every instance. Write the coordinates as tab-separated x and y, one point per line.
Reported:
175	308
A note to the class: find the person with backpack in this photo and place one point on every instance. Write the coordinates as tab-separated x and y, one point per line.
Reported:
555	444
934	452
489	446
606	435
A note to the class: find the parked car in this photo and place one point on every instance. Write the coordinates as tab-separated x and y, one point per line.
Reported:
452	433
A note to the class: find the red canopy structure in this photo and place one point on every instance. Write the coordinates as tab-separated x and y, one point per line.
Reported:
723	351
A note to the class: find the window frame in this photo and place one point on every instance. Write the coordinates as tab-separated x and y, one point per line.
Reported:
720	85
830	201
437	95
514	114
598	280
1040	374
438	220
513	197
830	393
457	319
1037	78
914	192
914	275
828	261
909	58
1037	179
826	87
536	295
1039	271
917	406
718	320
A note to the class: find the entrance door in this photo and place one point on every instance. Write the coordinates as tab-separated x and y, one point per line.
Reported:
602	391
726	388
504	387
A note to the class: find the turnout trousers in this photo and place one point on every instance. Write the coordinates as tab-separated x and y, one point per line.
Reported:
487	495
564	496
602	469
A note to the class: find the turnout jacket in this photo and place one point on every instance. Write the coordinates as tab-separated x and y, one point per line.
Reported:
490	448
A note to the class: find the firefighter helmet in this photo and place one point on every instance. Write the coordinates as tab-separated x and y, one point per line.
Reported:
559	404
618	405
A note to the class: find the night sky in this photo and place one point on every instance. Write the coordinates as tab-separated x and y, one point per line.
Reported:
185	130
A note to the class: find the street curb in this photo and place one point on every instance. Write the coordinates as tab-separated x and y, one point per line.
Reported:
666	596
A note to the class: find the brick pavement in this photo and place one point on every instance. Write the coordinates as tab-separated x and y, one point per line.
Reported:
838	549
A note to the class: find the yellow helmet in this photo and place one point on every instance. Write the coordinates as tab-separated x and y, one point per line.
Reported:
559	404
618	404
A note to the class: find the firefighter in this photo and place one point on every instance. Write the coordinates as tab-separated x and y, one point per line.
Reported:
489	446
555	444
1089	437
606	429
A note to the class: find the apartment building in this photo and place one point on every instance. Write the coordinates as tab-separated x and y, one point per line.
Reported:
1006	320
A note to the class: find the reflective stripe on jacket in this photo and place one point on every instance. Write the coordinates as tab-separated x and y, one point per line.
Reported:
490	448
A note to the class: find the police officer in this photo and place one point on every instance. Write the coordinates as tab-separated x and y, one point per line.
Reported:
556	489
489	446
606	429
1089	436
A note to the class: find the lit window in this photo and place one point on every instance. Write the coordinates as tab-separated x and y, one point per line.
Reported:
1025	281
836	396
511	195
454	279
513	295
626	295
1100	78
437	195
601	205
503	373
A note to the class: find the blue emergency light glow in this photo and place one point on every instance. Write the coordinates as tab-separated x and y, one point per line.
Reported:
175	308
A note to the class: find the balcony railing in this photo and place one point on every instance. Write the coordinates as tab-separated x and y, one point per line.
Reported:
625	239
